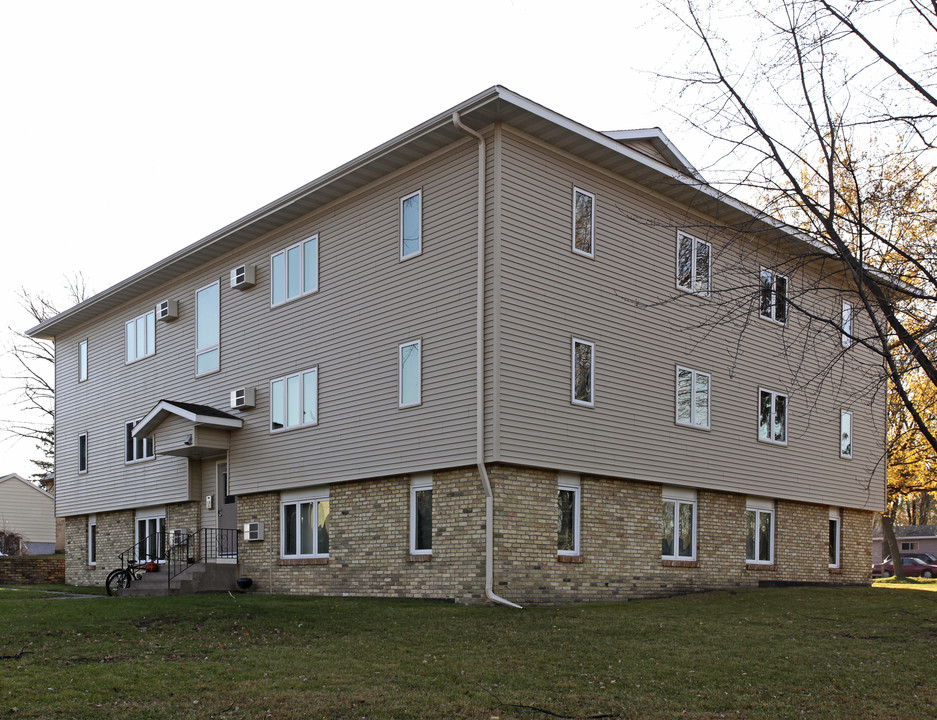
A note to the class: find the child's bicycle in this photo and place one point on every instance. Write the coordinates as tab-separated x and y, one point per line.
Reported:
119	580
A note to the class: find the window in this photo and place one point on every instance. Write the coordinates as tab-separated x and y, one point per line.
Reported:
409	373
151	534
848	336
678	524
136	448
835	519
583	372
845	434
693	264
82	361
421	515
567	509
909	546
208	329
294	272
141	336
304	519
759	520
83	453
773	296
772	417
692	398
411	225
92	540
294	400
583	222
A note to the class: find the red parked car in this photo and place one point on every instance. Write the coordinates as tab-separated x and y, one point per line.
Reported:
913	567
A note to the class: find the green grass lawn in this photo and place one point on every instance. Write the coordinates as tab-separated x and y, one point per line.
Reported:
772	653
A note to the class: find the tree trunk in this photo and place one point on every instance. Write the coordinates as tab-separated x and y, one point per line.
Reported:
888	534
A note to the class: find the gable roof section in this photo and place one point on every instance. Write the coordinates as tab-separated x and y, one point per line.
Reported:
13	477
199	415
910	531
677	181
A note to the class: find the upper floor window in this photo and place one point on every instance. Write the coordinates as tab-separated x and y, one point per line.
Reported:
82	361
835	522
421	515
83	453
847	324
692	397
141	336
773	290
136	448
568	514
208	329
759	538
845	434
304	523
678	524
693	264
411	225
772	417
294	400
295	271
409	372
583	372
583	222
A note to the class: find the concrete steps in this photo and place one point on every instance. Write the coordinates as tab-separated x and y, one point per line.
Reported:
199	578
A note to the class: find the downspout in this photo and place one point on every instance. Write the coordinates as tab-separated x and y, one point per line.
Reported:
480	370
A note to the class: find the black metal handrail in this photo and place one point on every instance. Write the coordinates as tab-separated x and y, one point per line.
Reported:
198	547
140	550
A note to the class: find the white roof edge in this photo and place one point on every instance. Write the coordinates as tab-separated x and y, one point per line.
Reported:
663	144
156	416
17	476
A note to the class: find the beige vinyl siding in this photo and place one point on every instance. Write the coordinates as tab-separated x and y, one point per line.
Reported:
26	510
368	302
625	302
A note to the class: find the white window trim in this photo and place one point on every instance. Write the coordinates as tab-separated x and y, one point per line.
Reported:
137	358
420	482
774	292
787	417
83	360
837	516
572	396
297	497
709	271
848	319
417	253
92	523
762	505
419	372
693	374
591	223
85	436
150	439
680	496
199	351
302	271
852	435
572	482
151	513
302	393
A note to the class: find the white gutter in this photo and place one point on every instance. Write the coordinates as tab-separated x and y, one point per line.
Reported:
480	371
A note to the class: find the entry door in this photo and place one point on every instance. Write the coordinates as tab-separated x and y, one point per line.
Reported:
227	514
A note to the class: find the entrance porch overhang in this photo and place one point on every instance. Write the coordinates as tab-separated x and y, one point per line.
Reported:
206	433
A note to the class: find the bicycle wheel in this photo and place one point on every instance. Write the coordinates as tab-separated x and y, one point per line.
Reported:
118	581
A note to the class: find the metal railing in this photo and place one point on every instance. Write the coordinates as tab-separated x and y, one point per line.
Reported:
150	548
198	547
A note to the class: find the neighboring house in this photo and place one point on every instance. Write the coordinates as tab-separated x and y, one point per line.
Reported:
458	369
911	538
29	512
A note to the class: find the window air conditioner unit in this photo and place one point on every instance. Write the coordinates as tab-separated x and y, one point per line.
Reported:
242	398
167	310
177	536
254	530
242	277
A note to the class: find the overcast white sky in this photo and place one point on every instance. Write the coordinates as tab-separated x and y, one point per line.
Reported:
129	130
